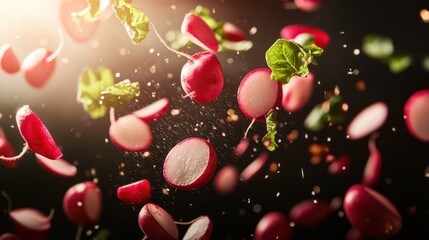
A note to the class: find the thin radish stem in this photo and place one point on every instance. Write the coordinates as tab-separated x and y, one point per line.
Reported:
59	48
186	223
112	115
9	201
172	49
145	237
371	142
79	232
24	150
248	128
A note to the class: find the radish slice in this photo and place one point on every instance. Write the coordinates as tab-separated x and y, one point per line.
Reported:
340	165
257	94
297	92
372	170
135	193
7	150
309	213
241	147
36	134
371	213
416	114
59	167
129	133
8	236
233	33
199	32
82	203
30	220
8	60
354	234
308	5
153	111
200	229
226	180
273	226
156	223
254	168
190	164
321	38
368	120
37	69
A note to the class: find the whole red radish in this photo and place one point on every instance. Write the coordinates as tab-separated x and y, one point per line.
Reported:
153	111
135	193
199	32
38	67
200	229
416	115
9	62
290	32
130	133
156	223
233	33
273	226
308	5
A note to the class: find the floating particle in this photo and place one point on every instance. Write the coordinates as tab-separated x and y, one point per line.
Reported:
151	50
118	74
360	85
169	75
356	52
166	191
257	208
64	60
356	72
229	60
273	167
175	112
123	51
253	31
292	136
173	7
424	15
95	44
152	69
344	45
232	117
427	172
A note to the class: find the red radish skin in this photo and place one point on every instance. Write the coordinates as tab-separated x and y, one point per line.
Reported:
8	236
372	169
340	165
371	213
8	60
156	223
137	193
254	168
257	94
7	151
309	213
59	167
273	226
297	92
321	38
308	5
233	33
29	221
226	180
130	133
416	115
199	32
153	111
82	203
367	120
35	133
190	164
241	147
354	234
37	68
200	229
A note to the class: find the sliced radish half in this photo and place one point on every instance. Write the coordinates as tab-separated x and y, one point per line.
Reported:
190	164
199	32
233	33
6	150
297	92
254	168
309	213
273	226
290	32
416	114
30	220
200	229
130	133
59	167
372	169
153	111
225	181
8	60
36	67
135	193
368	120
241	147
156	223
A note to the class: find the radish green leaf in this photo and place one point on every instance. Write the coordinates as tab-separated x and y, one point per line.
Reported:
135	21
121	93
269	139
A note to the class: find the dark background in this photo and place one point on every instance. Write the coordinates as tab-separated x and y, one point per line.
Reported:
83	142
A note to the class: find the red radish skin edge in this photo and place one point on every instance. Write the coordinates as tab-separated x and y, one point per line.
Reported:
137	193
199	33
241	147
7	151
416	115
254	168
321	38
340	165
59	167
372	169
156	223
368	120
9	61
273	226
233	33
309	213
153	111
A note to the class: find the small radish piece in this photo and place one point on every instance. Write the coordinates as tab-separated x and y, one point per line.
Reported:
190	164
153	111
199	32
416	115
200	229
309	213
290	32
297	92
8	60
241	147
6	150
35	133
368	120
129	133
29	220
135	193
233	33
82	203
225	181
257	94
372	169
273	226
36	67
156	223
8	236
59	167
371	213
254	168
308	5
340	165
354	234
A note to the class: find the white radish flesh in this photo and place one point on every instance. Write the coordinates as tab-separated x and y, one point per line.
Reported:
130	133
153	111
416	114
200	229
254	168
59	167
297	92
199	32
368	120
8	60
156	223
29	219
225	181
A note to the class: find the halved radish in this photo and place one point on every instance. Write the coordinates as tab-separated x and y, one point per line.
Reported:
321	38
156	223
153	111
130	133
416	115
225	181
273	226
297	92
308	5
372	170
30	220
371	213
199	32
37	69
368	120
190	164
6	150
8	60
339	165
254	168
8	236
233	33
35	133
82	203
135	193
309	213
200	229
59	167
241	147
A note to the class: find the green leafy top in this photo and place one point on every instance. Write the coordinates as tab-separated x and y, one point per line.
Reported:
119	94
135	21
287	58
93	11
329	111
269	139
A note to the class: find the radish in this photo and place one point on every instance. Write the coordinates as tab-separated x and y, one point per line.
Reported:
135	193
371	213
6	150
30	222
156	223
367	120
340	165
190	164
373	165
254	168
225	181
297	92
8	236
273	226
241	147
199	32
130	133
8	60
290	32
416	115
309	213
59	167
354	234
200	229
232	33
153	111
308	5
